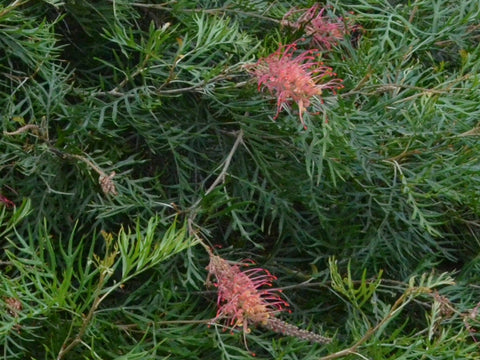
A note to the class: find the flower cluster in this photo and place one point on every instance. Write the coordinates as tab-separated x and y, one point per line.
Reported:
292	77
243	302
240	298
324	31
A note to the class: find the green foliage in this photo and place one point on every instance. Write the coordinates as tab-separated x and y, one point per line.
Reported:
133	131
356	296
67	287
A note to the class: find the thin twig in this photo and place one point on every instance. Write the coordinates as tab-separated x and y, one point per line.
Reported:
106	180
160	92
226	164
472	132
23	129
128	327
12	6
220	178
206	11
67	347
88	162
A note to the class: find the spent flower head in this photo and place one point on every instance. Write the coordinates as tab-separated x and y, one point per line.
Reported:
294	77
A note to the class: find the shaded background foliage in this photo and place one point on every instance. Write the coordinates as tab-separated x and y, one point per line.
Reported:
385	176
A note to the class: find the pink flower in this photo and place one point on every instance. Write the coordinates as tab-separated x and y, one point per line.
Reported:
324	31
240	297
243	301
8	203
294	78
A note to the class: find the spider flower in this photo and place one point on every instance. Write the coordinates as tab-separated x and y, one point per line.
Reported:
296	78
8	203
241	297
324	31
243	301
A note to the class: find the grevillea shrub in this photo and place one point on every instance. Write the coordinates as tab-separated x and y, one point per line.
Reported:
137	134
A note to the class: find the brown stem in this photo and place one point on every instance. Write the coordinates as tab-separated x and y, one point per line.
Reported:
23	129
106	181
219	179
12	6
66	348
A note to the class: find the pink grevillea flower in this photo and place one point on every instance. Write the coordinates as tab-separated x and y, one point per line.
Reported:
296	78
243	301
325	31
241	298
8	203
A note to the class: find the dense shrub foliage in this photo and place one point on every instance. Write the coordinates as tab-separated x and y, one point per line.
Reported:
146	144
